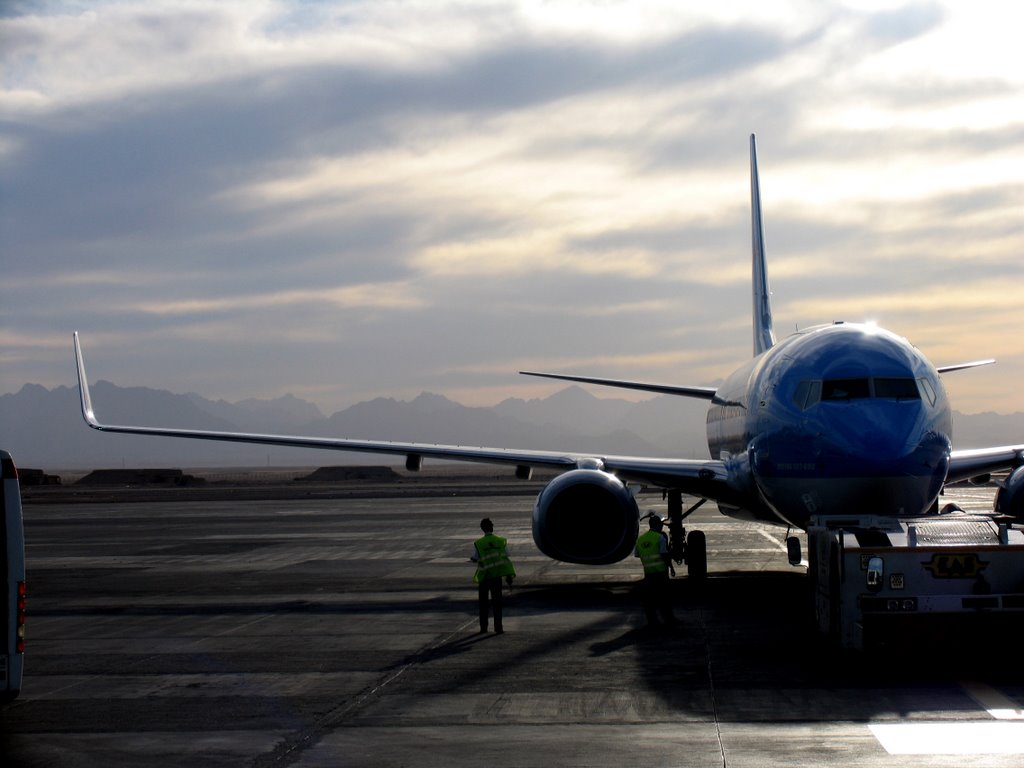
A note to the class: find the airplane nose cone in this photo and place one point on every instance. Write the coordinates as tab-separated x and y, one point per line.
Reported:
865	458
889	454
891	437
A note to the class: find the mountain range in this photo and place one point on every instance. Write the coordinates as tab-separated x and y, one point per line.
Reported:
43	428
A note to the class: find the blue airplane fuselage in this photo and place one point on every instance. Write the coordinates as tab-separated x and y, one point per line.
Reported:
838	419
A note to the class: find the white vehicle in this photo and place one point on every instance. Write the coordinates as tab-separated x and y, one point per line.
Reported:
12	552
879	580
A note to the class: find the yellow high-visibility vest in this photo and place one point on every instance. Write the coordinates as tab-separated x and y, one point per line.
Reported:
492	558
649	547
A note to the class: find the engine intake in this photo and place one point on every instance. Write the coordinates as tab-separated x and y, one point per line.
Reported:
586	516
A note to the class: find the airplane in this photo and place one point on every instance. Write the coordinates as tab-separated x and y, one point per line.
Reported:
835	419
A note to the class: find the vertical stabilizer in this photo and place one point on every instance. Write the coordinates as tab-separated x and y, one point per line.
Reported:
764	335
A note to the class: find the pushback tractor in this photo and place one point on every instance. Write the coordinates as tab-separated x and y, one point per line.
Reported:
879	582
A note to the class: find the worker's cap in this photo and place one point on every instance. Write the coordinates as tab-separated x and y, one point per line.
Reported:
486	525
654	520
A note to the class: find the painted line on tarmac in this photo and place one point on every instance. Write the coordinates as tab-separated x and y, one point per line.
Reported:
779	545
946	738
1003	735
995	703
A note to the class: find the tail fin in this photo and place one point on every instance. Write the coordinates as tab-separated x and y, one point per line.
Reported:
764	335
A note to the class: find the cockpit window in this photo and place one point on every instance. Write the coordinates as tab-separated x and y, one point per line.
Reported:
807	393
845	389
929	392
800	396
811	391
897	389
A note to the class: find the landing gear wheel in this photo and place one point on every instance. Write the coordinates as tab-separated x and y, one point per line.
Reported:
696	556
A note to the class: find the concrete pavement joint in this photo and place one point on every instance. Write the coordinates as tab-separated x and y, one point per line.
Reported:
711	685
288	751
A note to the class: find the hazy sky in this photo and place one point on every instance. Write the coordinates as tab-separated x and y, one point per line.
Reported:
343	200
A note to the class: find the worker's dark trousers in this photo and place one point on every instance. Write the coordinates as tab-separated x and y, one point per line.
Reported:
490	594
658	598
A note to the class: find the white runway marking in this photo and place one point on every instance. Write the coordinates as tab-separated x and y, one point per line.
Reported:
1004	736
991	738
995	703
780	545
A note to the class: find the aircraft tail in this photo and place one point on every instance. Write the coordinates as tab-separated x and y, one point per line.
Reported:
764	334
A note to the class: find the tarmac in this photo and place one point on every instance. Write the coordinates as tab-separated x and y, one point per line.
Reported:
341	630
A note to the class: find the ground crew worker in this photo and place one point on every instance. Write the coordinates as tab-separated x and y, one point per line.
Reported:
652	549
490	553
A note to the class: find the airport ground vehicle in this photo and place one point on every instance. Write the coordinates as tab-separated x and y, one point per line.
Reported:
900	582
12	560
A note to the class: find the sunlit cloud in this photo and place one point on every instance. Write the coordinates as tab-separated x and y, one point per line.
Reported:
12	339
76	279
385	296
569	363
326	172
988	293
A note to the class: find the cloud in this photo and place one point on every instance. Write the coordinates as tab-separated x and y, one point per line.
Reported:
387	196
386	296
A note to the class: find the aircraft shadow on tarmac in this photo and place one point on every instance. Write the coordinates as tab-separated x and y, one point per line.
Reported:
738	632
745	647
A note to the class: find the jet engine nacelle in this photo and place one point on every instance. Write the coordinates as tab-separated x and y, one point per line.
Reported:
1010	497
586	516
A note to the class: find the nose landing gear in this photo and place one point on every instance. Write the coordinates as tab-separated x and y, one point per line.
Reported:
692	548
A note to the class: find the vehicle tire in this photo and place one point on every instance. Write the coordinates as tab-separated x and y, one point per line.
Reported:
696	556
834	605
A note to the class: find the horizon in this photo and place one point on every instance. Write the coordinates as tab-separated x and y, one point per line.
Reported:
611	395
44	426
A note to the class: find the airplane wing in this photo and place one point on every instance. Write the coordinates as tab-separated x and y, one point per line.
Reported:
695	477
965	464
704	393
964	366
975	462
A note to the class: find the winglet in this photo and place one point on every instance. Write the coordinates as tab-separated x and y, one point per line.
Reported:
764	335
83	388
